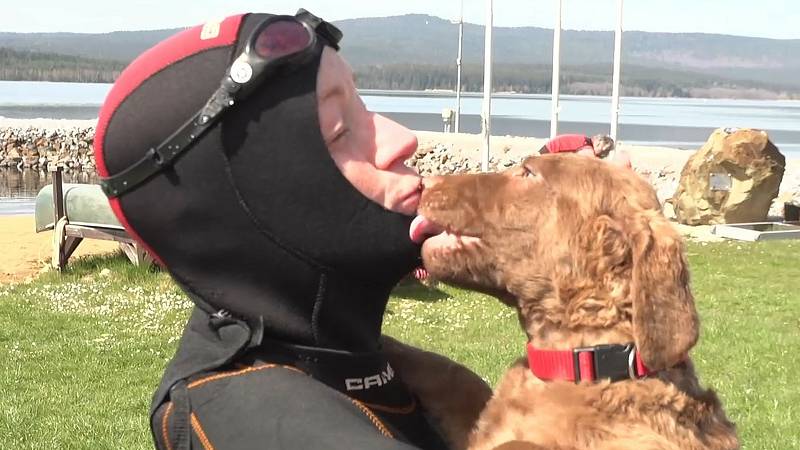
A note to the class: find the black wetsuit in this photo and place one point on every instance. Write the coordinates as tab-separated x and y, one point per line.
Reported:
289	265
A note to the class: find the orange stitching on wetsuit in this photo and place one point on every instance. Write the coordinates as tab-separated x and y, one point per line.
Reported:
372	417
218	376
164	426
367	412
198	429
401	410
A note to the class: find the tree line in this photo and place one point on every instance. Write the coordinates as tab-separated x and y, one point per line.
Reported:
36	66
536	79
594	79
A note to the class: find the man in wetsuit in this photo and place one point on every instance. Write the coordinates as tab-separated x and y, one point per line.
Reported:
240	154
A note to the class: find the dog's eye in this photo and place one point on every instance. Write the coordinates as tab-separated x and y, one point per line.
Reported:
527	172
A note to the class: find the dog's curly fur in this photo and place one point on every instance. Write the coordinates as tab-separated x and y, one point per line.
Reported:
582	251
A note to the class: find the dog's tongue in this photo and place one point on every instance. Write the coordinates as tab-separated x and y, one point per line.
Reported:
415	231
421	228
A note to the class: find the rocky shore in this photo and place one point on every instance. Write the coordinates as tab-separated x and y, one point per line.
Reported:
35	148
32	145
441	153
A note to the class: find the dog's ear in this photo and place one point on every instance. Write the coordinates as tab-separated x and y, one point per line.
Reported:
665	323
598	274
607	246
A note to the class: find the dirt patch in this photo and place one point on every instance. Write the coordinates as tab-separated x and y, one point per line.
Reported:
24	253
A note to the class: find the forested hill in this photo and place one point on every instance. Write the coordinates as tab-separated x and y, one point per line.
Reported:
418	52
26	65
117	46
430	40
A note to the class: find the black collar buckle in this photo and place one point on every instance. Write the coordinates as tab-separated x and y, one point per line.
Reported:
615	362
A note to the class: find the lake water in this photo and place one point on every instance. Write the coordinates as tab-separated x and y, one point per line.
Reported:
19	188
671	122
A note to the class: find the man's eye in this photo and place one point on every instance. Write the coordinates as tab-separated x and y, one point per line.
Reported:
339	135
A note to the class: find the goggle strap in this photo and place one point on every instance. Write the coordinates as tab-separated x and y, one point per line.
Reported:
158	158
325	29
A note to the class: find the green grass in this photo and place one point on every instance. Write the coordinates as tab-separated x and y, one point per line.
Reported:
82	352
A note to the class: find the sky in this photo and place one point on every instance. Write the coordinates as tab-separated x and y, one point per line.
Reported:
777	19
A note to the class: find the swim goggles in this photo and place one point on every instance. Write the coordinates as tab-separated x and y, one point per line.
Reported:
275	42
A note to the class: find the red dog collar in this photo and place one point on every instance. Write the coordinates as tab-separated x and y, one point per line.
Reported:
612	361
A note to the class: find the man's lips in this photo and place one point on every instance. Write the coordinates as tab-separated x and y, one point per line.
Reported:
408	203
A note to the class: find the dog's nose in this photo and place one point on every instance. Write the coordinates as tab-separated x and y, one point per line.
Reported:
432	181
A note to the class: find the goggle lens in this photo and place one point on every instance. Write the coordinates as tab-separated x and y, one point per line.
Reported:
281	38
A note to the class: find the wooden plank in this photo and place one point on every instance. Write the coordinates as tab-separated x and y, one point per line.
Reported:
57	258
129	251
136	253
67	237
58	195
70	244
108	234
142	257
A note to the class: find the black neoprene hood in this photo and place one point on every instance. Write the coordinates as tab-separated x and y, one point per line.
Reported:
255	219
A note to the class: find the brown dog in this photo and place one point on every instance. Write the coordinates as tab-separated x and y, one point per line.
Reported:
580	248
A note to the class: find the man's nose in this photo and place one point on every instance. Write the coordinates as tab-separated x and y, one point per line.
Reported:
393	142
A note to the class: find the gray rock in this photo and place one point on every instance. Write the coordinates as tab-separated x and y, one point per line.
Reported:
733	178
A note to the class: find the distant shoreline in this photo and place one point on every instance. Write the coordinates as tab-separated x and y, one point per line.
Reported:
661	165
451	93
684	138
504	94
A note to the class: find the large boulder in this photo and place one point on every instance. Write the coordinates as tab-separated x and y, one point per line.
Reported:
733	178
